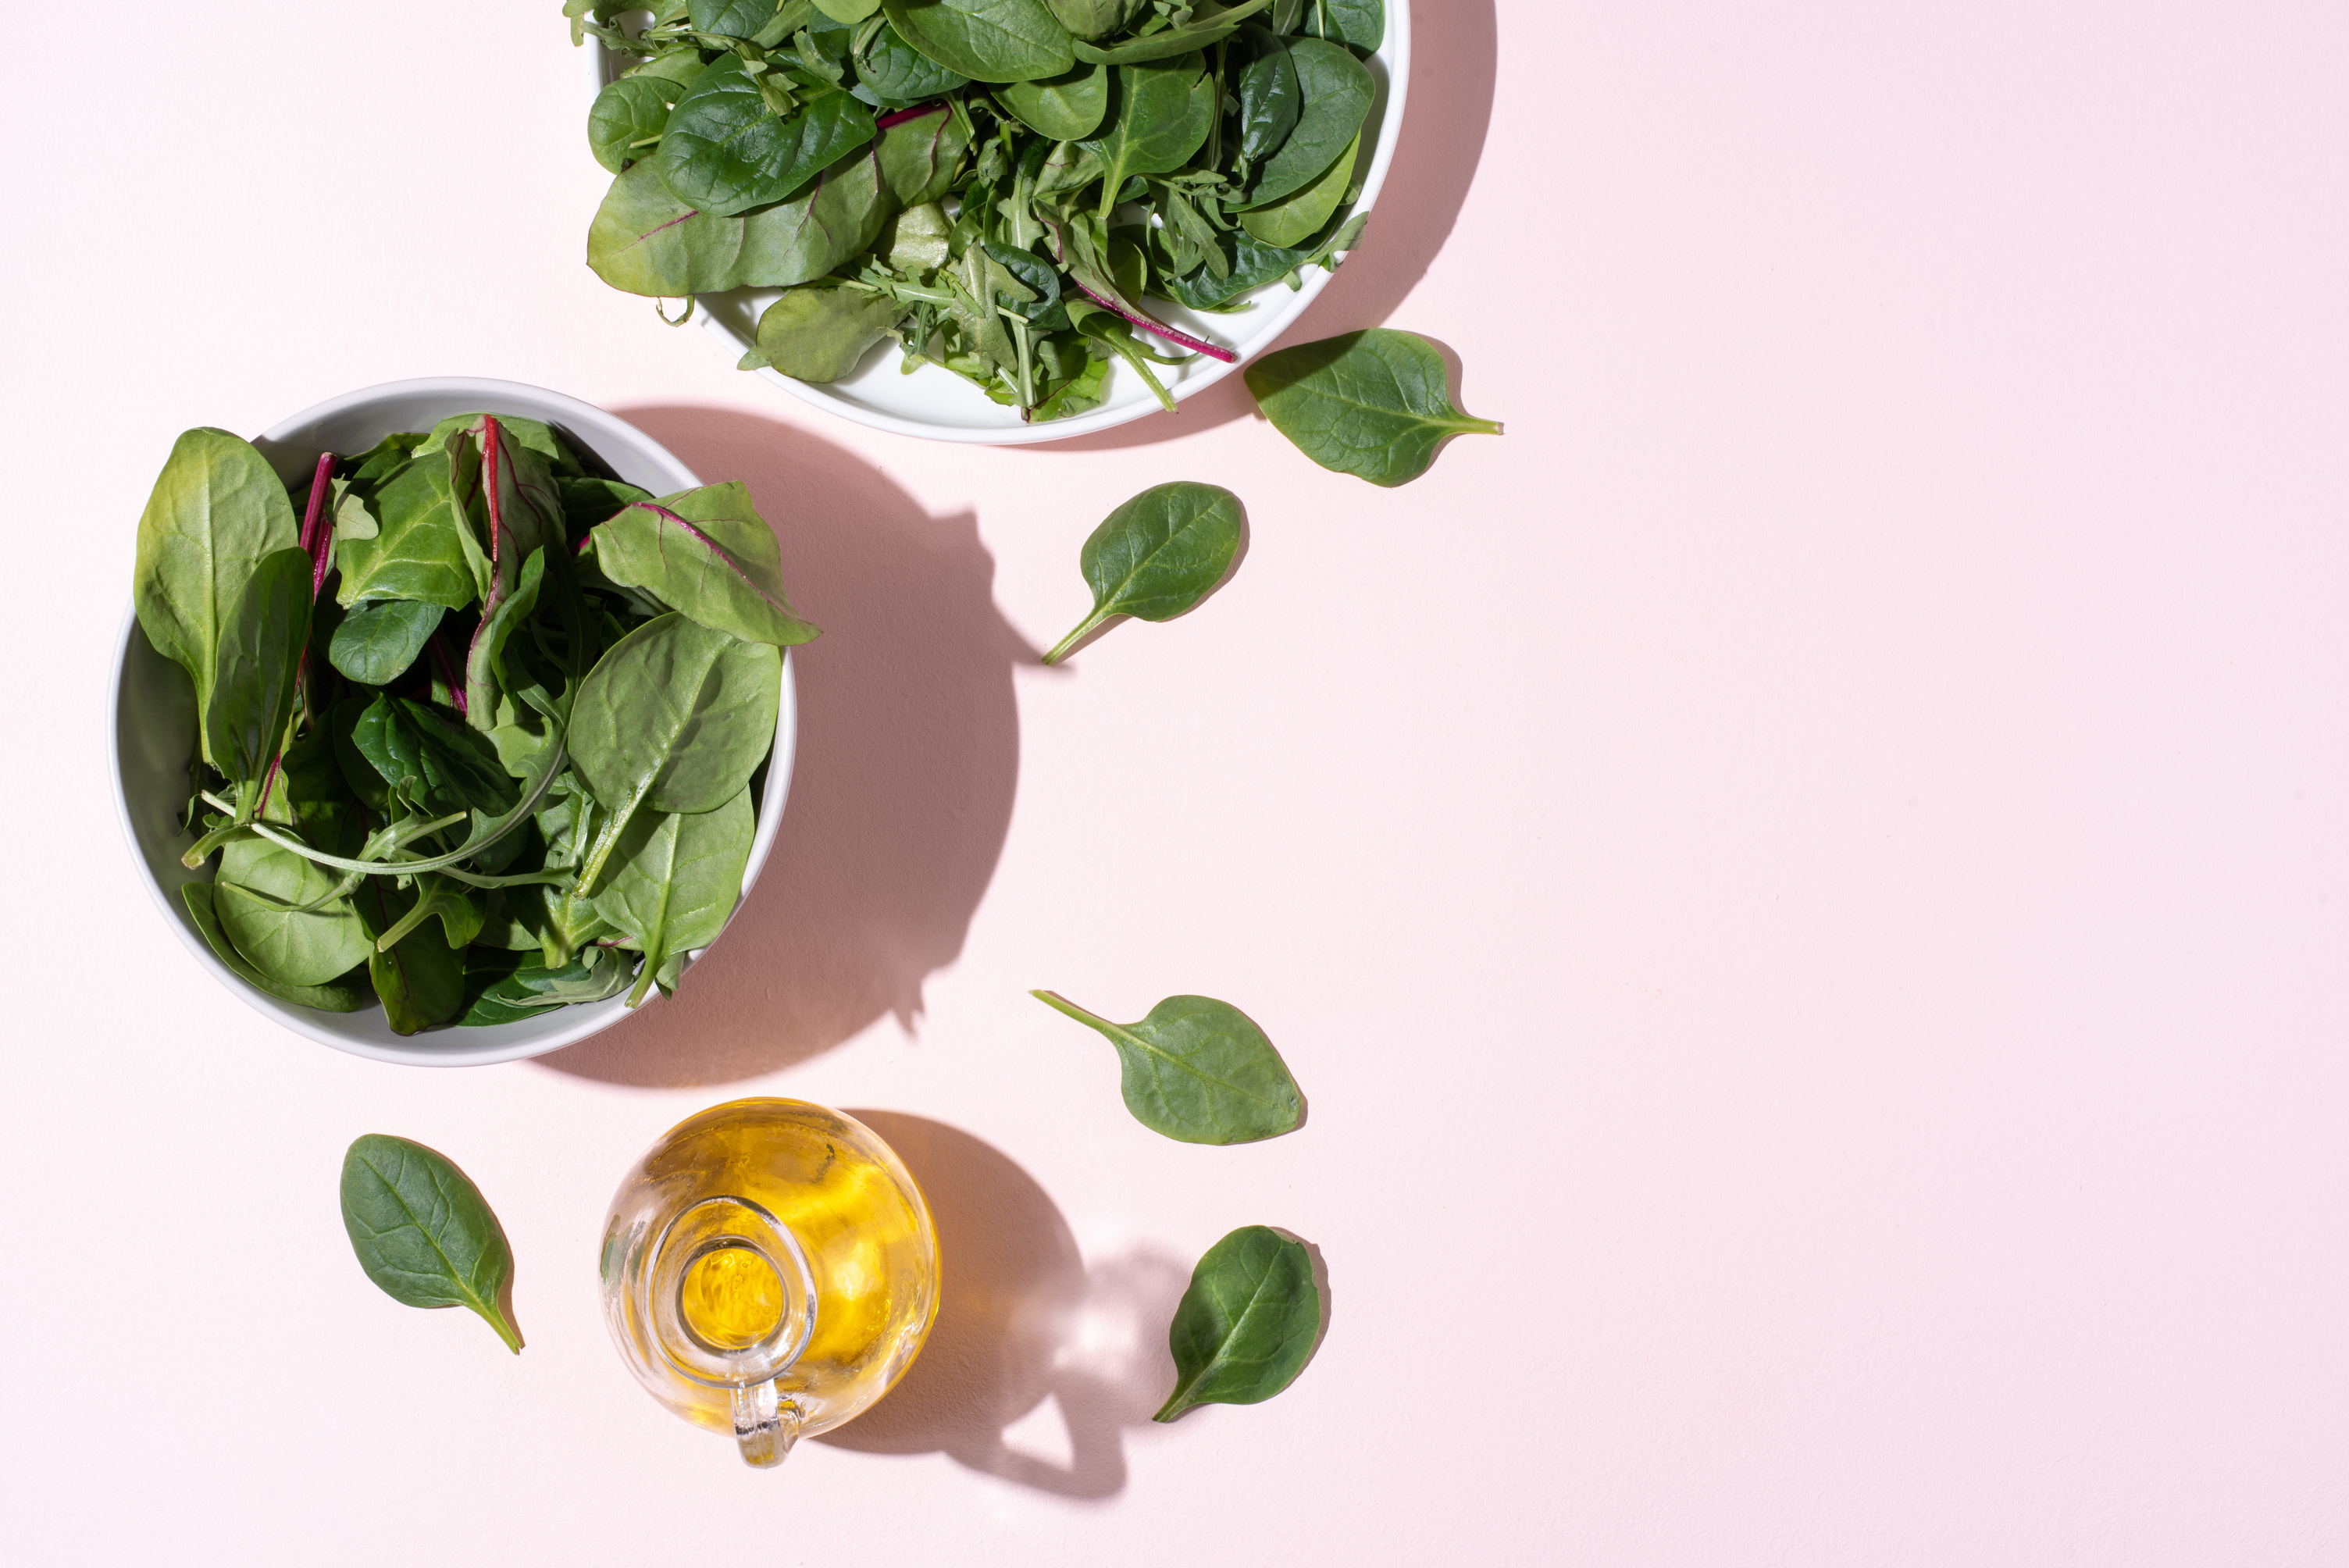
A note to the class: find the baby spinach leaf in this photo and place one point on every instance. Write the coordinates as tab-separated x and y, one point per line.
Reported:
262	897
1372	403
628	117
447	767
1091	18
423	1232
595	976
675	718
424	546
1252	264
1162	115
725	152
421	981
1197	1070
707	553
1247	1324
1299	215
1360	22
1038	277
821	331
919	155
731	18
889	67
645	240
848	11
198	896
216	510
1066	107
986	40
1205	28
1269	94
674	880
259	660
485	677
1157	555
380	638
1337	93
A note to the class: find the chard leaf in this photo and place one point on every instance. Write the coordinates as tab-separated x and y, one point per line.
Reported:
217	508
707	553
1372	404
1197	1070
423	1232
1247	1324
919	156
1158	555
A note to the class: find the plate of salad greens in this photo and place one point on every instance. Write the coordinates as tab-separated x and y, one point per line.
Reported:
453	717
988	220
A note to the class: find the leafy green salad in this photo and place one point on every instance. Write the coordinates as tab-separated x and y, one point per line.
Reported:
997	185
480	734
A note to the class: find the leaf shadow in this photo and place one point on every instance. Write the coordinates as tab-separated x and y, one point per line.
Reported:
1454	58
1022	1319
903	782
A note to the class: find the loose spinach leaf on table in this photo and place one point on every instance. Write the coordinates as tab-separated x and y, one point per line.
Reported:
1247	1324
216	510
672	880
1197	1070
986	40
333	998
423	1232
379	639
708	555
1157	555
1372	403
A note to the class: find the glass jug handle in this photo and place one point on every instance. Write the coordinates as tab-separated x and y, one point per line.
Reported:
765	1427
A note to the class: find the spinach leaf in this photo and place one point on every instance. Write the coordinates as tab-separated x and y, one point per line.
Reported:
1360	22
1252	264
1299	215
627	117
1372	403
645	240
424	1233
449	767
421	981
1045	310
821	331
1162	117
199	896
725	150
485	674
848	11
707	553
259	659
379	639
1197	1070
216	510
672	880
261	899
891	70
595	976
1157	555
1337	93
1066	107
986	40
919	155
1093	18
731	18
1268	95
675	718
424	547
1247	1324
1205	28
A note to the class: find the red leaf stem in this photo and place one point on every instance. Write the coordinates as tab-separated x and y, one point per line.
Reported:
903	115
1159	328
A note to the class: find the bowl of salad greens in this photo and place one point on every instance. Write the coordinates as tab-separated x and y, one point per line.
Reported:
453	717
988	220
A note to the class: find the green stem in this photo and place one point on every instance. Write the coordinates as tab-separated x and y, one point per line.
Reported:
1060	1004
1060	648
416	915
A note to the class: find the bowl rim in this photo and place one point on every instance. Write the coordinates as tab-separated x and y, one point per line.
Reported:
1393	53
494	1044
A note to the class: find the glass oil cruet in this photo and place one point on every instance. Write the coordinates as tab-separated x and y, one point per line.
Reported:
770	1270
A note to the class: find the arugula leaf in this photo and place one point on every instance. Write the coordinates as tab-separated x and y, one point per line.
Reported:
423	1232
1197	1070
1247	1324
1372	404
1157	555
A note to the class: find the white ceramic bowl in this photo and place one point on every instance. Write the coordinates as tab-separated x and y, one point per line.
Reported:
942	407
153	733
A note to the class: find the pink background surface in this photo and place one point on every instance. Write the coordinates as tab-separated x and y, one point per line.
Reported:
1804	884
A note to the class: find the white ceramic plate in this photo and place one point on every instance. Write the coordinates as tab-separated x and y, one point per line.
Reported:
154	731
942	407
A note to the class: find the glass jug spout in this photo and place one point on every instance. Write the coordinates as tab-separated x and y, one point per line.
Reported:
731	1302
